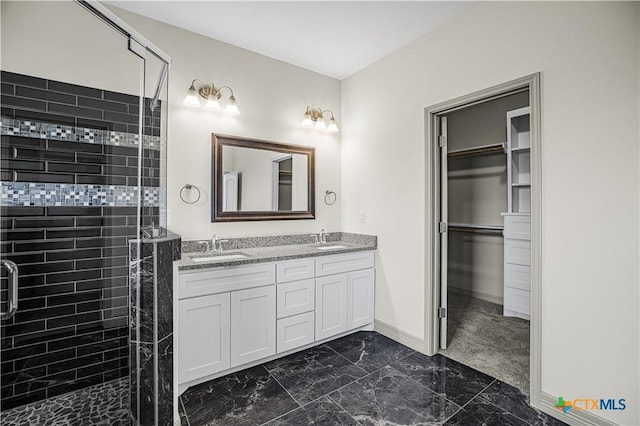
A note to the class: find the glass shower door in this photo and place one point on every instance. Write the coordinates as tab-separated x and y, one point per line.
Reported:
78	178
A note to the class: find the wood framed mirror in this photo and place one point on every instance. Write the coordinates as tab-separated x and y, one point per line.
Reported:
261	180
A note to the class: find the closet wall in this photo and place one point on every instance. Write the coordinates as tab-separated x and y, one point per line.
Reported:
477	194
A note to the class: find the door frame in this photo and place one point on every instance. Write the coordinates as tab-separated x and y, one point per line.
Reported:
432	216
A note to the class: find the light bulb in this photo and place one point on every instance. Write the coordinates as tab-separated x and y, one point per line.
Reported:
192	98
212	103
333	127
232	106
307	121
320	124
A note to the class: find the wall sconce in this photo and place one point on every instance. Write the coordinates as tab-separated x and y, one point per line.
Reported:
212	95
314	117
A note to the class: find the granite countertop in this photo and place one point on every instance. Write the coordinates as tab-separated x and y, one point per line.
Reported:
271	249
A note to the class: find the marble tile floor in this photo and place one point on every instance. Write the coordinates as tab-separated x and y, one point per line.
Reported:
361	379
481	337
103	404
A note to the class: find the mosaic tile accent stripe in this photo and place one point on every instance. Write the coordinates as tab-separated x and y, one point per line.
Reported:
54	194
43	130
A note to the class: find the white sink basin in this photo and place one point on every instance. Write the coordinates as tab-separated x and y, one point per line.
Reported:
230	256
330	247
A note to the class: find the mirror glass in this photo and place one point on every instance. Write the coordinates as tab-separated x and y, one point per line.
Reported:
260	180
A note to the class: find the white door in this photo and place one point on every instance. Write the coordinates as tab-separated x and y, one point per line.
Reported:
360	290
231	183
331	305
253	324
442	312
203	336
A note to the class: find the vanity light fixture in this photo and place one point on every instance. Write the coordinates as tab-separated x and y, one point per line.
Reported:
314	117
212	94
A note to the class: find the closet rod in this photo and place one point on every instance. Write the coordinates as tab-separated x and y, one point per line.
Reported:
477	150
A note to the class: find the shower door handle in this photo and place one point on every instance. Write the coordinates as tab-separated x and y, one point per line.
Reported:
12	300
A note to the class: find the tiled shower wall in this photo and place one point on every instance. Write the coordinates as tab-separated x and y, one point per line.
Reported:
69	170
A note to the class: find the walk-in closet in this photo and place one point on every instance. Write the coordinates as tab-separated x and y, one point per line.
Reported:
485	221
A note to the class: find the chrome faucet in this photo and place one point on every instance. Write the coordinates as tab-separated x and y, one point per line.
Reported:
214	245
322	236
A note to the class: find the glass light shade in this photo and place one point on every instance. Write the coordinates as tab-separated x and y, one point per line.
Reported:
212	103
307	121
320	124
192	98
333	127
232	106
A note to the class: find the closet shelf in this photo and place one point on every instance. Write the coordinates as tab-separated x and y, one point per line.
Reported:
478	150
520	149
520	184
476	229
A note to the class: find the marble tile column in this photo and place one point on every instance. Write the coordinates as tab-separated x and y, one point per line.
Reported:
151	329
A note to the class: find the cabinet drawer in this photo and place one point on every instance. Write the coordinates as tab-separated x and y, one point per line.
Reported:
518	227
517	301
517	276
295	270
296	297
517	251
295	331
339	263
225	279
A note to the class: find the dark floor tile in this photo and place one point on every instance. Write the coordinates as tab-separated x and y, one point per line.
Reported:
369	350
448	378
310	374
322	412
481	413
248	397
389	397
510	399
184	421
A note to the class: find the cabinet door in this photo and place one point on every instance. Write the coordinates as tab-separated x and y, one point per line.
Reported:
253	324
331	305
203	336
360	290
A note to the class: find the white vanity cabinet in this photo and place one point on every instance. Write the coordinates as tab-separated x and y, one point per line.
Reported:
231	317
344	293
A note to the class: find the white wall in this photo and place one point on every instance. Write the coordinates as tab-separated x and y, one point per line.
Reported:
588	54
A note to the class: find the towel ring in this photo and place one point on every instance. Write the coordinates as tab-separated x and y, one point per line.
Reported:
330	198
188	186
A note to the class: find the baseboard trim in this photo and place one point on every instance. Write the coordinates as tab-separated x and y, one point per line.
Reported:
573	417
399	336
478	295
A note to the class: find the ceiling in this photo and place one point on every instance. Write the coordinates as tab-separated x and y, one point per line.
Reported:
334	38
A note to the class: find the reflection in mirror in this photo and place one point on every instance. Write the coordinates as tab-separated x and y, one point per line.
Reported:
259	180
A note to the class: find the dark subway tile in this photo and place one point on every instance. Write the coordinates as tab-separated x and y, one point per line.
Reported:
8	89
23	351
122	97
6	223
76	384
45	359
115	323
44	336
65	299
28	327
7	112
133	128
24	142
88	306
22	211
119	211
73	233
121	150
58	86
83	339
102	180
36	166
43	245
22	259
45	313
73	211
45	116
121	117
116	272
102	283
103	105
74	110
115	292
45	268
42	154
45	177
6	247
101	159
100	242
119	231
22	235
74	319
101	263
25	375
45	290
25	80
74	168
18	102
18	400
97	368
45	95
44	222
102	221
73	146
115	312
72	254
102	346
30	281
73	276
